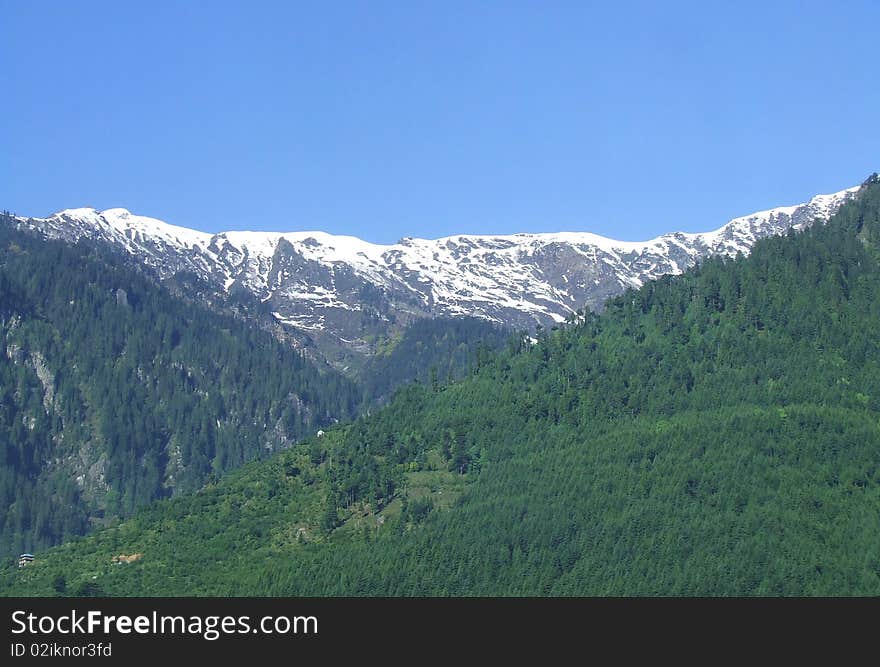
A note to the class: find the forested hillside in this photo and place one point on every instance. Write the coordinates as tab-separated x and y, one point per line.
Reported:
430	350
114	393
716	433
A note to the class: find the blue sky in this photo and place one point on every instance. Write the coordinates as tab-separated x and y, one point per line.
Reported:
391	119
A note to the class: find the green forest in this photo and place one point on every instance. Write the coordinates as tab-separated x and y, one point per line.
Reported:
714	433
431	351
113	393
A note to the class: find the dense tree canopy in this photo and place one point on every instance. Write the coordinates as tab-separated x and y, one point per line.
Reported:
431	351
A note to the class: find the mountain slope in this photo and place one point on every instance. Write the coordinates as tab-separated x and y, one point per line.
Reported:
344	294
714	433
436	350
114	393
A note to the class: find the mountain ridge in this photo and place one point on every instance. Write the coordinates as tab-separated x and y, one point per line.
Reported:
345	293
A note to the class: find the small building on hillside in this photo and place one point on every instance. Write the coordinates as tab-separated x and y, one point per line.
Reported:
25	559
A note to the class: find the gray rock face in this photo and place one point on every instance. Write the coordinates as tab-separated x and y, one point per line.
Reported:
344	292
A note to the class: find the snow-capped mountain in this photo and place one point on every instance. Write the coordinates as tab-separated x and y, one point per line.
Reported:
345	290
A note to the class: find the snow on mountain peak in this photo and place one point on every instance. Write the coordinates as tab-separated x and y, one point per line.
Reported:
121	213
349	288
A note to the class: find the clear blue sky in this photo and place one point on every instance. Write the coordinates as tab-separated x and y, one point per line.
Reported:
390	119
